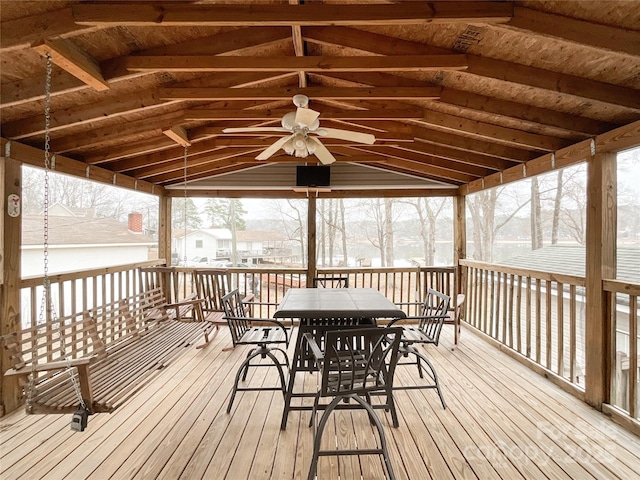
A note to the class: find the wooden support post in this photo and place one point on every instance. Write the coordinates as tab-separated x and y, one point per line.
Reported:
600	264
164	229
311	240
11	238
459	248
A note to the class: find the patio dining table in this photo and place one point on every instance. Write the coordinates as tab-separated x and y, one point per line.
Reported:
321	310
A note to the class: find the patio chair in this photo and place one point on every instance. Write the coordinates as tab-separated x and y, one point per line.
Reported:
269	332
212	284
427	331
355	364
331	282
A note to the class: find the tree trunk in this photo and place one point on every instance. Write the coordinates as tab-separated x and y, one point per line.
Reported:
343	231
388	231
536	220
556	209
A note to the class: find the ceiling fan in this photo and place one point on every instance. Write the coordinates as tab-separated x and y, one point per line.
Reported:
304	129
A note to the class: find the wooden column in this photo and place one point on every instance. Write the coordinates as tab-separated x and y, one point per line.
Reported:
164	229
311	240
600	264
11	238
459	248
459	237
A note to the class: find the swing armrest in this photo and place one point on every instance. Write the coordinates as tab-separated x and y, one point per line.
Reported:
43	367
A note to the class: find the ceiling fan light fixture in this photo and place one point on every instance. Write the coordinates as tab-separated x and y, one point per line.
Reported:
289	120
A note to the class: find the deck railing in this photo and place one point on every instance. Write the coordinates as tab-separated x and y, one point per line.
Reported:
74	292
625	314
539	315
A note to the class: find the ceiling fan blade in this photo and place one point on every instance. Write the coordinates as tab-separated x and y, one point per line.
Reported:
273	148
306	116
346	135
254	129
322	153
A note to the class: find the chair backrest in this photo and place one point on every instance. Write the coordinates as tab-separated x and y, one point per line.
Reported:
331	282
359	361
161	277
212	284
234	314
433	314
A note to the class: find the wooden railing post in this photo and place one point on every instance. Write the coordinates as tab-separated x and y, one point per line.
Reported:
11	238
600	264
164	229
311	240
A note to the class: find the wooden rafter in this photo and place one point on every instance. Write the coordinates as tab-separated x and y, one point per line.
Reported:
286	93
77	62
399	63
307	14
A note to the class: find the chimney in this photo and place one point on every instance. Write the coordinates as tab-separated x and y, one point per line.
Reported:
135	222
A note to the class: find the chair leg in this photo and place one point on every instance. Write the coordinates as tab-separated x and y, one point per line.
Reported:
318	436
383	440
243	368
278	365
434	376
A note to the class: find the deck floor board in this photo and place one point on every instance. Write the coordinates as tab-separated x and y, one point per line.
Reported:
502	421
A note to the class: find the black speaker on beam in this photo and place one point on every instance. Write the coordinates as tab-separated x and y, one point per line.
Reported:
313	176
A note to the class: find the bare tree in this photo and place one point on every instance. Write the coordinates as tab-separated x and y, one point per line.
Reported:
557	205
536	215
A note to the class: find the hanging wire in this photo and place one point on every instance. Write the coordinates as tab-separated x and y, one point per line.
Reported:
47	300
184	189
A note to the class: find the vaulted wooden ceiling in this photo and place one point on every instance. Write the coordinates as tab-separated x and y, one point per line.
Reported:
460	95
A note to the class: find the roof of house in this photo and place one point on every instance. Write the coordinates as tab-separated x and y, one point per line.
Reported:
69	230
259	236
570	260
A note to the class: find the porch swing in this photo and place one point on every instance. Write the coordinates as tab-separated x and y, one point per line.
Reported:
95	360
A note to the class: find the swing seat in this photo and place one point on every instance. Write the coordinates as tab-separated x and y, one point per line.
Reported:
113	350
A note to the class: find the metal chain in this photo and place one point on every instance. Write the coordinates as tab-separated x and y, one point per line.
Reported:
185	205
47	302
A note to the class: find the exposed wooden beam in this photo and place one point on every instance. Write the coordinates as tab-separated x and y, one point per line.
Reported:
298	47
334	193
579	31
286	93
463	142
33	30
509	136
486	162
488	67
118	105
34	156
616	140
179	135
542	116
368	41
159	14
97	138
114	70
175	168
554	81
325	113
398	63
77	62
393	154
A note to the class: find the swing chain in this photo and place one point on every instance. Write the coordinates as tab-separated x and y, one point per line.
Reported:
184	189
47	301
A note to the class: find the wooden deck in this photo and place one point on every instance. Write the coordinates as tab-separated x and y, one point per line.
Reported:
502	421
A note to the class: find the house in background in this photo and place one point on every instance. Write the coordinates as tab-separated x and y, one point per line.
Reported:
212	243
79	241
215	244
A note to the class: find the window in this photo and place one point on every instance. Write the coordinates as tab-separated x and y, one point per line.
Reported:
198	243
